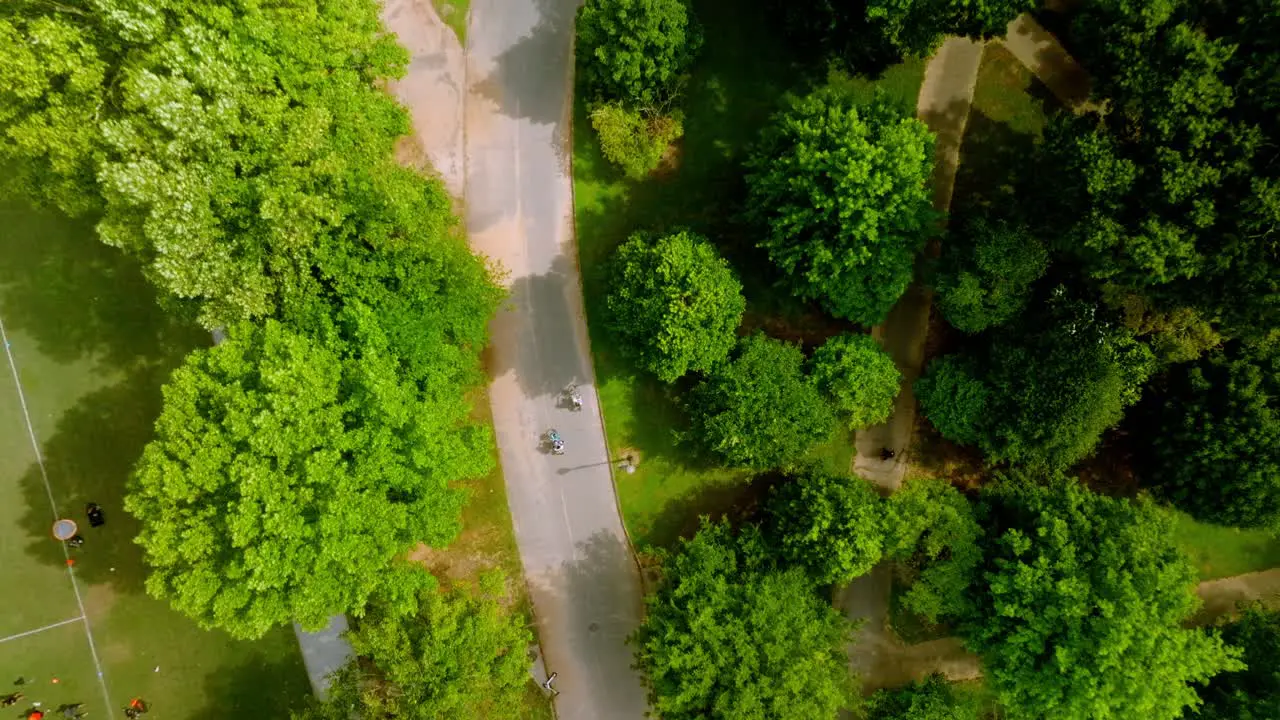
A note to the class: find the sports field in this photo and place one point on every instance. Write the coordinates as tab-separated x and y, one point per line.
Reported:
86	352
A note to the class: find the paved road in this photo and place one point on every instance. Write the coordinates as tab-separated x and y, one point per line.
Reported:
876	655
582	577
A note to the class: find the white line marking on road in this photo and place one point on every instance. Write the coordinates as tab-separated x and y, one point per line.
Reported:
41	629
53	505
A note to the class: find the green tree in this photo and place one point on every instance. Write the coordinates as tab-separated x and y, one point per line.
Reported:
220	138
1216	449
1082	608
635	51
285	477
928	699
859	377
52	81
916	27
1252	693
954	398
452	654
633	140
729	637
1052	385
986	271
759	410
841	190
931	530
831	525
674	304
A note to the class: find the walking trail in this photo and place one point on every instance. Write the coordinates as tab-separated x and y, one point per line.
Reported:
879	658
1044	56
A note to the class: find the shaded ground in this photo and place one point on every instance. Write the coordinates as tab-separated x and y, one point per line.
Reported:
1227	595
91	349
1041	52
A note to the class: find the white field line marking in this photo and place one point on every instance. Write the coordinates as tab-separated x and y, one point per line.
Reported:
53	505
41	629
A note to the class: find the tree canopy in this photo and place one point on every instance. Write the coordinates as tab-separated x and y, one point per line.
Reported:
928	699
453	653
841	191
285	476
759	410
728	636
635	51
1175	192
1042	392
1081	609
831	525
931	530
859	378
1252	693
1215	448
674	304
916	27
218	138
986	270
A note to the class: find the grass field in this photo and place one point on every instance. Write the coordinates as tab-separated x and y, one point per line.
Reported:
739	80
1218	551
454	13
91	349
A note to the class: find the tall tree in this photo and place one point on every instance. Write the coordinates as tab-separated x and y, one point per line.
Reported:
285	477
1081	611
453	654
930	528
1216	445
635	51
1044	391
841	191
831	525
729	637
858	376
1251	693
219	137
674	304
928	699
986	271
759	410
916	27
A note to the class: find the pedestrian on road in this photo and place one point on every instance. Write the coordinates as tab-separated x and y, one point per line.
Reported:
886	454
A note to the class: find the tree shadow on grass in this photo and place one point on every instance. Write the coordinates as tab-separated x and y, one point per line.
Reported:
261	686
77	297
994	159
739	501
89	458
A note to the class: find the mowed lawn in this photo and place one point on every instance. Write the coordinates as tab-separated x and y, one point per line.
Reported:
92	350
739	80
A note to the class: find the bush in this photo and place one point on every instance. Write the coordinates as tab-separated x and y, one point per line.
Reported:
954	398
635	51
859	377
759	410
831	525
674	304
930	528
631	140
916	27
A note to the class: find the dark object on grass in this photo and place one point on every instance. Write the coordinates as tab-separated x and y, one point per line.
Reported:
75	541
12	698
95	514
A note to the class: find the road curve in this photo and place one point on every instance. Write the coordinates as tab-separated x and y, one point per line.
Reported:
580	570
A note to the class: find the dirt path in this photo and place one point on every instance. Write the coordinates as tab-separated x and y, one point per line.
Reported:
1044	56
1222	597
876	654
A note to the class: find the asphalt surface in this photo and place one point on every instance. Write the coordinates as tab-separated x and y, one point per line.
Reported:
582	577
